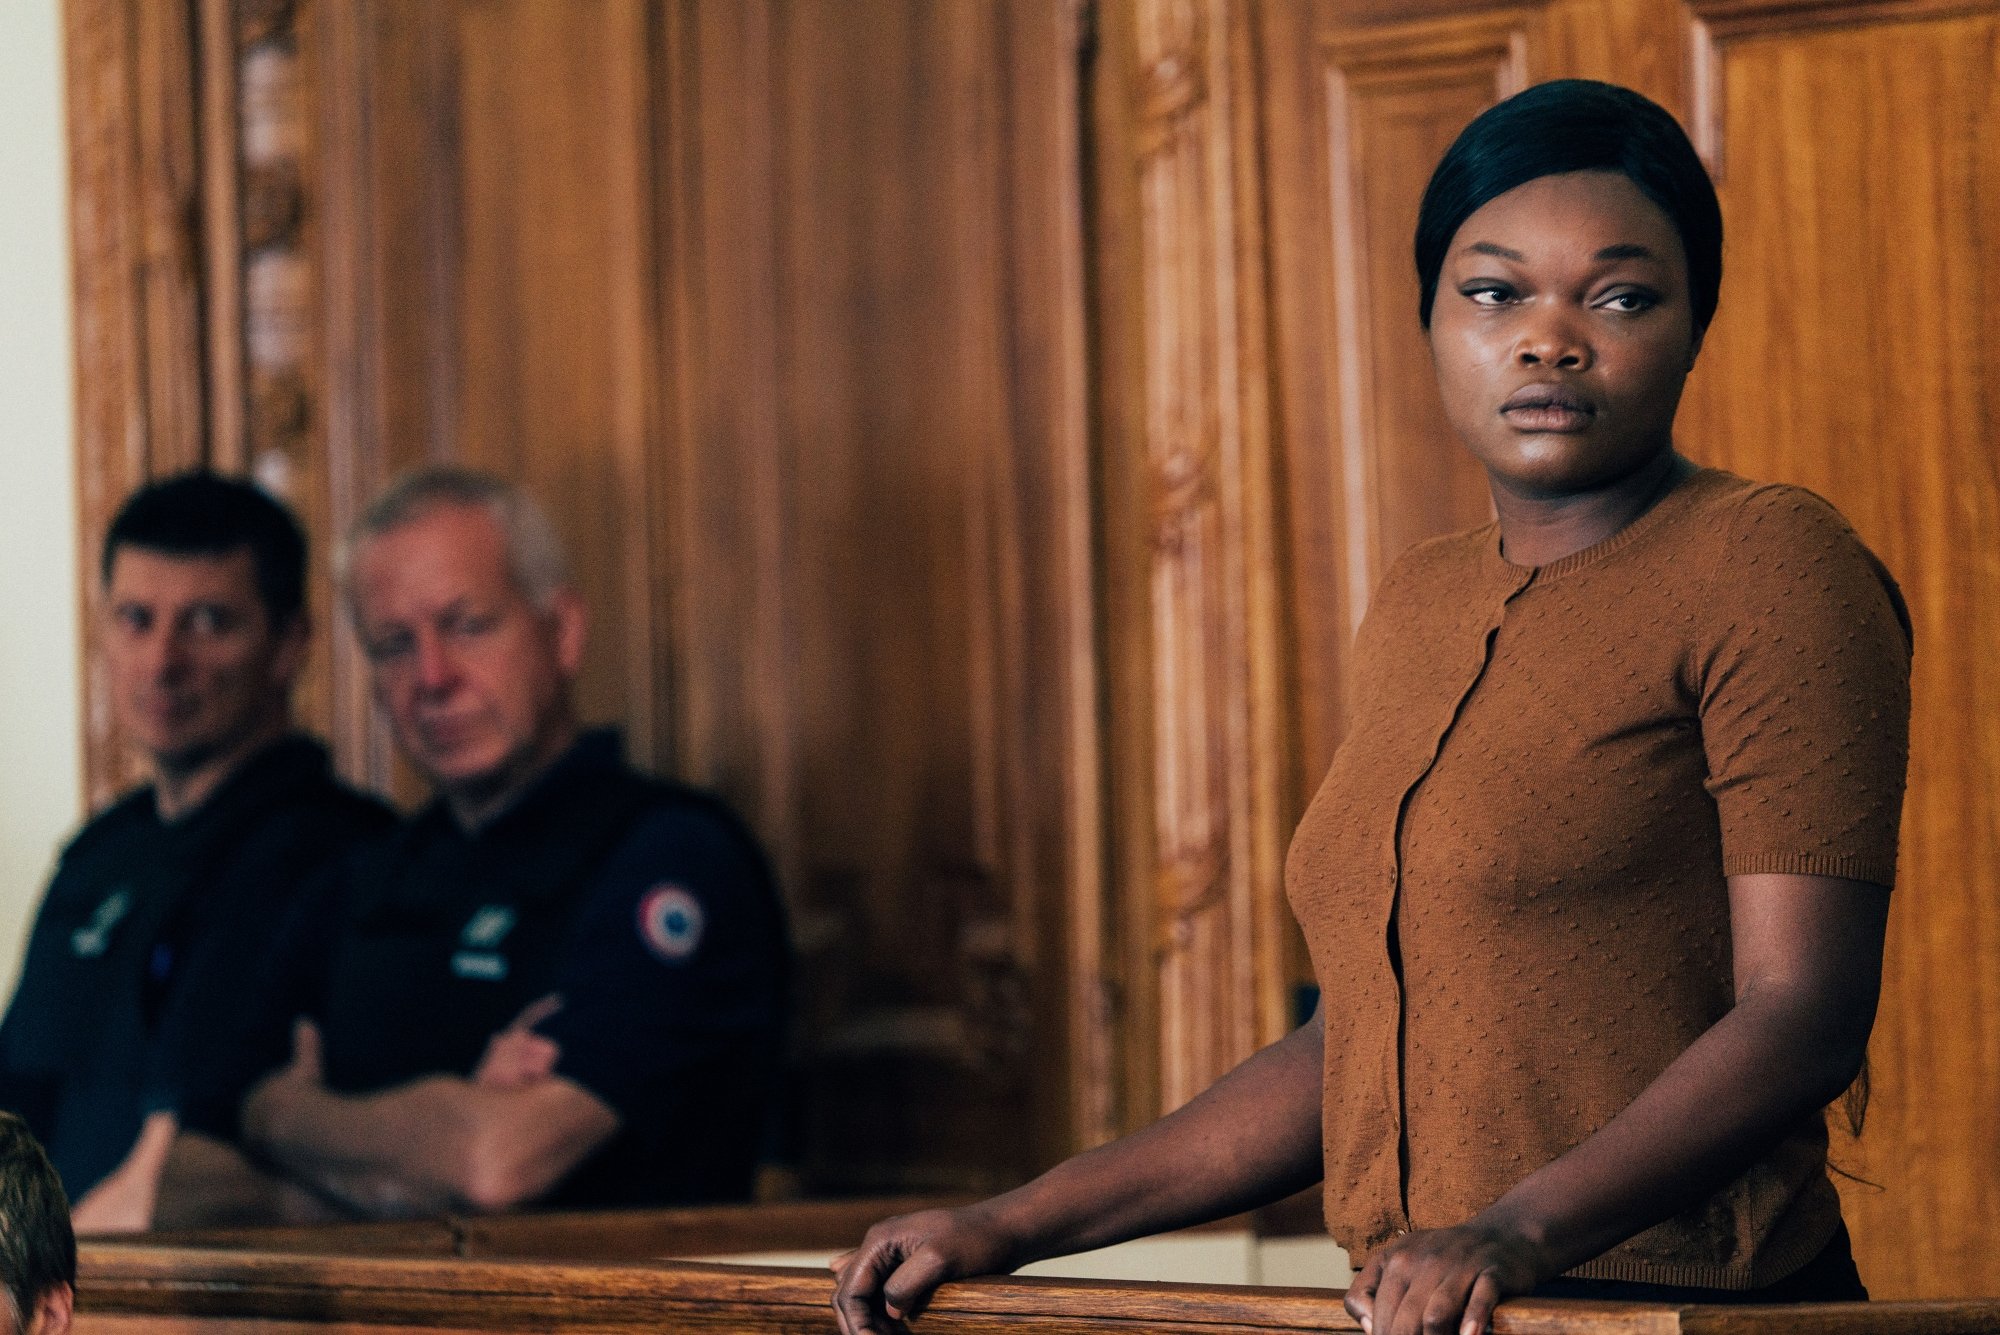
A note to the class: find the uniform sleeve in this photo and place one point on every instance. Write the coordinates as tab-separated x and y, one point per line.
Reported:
230	1023
677	964
1804	682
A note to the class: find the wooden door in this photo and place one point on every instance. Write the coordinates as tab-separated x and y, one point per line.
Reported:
1856	147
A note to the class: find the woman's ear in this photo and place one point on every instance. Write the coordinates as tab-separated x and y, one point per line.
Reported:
52	1311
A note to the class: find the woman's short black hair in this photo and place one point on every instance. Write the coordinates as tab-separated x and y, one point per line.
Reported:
204	514
1573	125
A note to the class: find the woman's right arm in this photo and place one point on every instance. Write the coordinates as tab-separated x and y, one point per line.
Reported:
1251	1138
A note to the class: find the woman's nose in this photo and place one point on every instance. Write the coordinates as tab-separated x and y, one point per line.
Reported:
1553	341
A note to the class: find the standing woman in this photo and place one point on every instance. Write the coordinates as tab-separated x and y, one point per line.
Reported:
1596	886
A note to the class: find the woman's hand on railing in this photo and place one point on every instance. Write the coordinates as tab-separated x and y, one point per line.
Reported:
902	1261
1444	1281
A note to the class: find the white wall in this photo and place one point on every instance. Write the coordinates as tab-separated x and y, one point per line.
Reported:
40	760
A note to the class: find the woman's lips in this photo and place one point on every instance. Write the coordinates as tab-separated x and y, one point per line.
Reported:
1547	408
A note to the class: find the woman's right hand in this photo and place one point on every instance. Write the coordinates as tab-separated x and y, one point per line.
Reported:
1251	1138
901	1262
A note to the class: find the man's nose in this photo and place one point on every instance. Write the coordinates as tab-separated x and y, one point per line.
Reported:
437	667
166	654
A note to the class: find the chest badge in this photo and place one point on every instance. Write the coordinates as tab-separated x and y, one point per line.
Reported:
91	940
670	922
478	955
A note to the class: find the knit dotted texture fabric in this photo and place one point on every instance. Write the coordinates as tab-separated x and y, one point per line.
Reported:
1548	776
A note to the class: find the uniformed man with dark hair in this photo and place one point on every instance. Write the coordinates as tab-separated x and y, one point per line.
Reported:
164	905
561	982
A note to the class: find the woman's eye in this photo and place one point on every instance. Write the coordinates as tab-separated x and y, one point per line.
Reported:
1488	295
1630	303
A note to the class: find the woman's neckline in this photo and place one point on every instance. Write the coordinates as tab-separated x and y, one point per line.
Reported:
1683	477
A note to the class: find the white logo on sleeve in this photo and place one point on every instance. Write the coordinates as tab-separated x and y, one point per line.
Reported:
670	922
91	940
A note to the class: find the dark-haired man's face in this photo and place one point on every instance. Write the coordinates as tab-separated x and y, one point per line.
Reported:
1563	332
196	666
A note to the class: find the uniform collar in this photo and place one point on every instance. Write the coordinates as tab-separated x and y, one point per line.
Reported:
568	779
280	767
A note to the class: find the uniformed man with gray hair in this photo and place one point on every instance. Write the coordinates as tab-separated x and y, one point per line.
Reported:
561	982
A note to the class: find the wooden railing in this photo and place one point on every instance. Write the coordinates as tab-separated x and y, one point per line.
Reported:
528	1273
607	1235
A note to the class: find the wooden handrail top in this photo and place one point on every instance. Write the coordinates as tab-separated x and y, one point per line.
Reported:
473	1294
615	1235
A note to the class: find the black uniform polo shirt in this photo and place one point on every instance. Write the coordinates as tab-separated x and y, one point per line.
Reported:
148	938
646	906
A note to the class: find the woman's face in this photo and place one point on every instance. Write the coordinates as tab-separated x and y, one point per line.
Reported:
1562	333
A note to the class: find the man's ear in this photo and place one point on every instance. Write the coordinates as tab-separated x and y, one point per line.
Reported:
571	625
52	1311
288	651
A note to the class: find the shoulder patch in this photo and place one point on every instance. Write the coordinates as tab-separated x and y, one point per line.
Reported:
670	922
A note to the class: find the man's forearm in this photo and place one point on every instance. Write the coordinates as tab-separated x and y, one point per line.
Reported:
400	1151
123	1201
208	1184
435	1144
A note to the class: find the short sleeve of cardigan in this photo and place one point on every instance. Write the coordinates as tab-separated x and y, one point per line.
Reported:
1804	684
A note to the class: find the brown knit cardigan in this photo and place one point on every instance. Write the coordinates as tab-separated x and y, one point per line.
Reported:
1547	776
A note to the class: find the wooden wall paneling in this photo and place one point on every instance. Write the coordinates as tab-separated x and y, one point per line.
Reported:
390	200
882	152
1198	728
1857	352
221	130
1397	96
724	515
1296	193
555	294
1639	43
350	110
137	256
868	517
1038	977
1059	765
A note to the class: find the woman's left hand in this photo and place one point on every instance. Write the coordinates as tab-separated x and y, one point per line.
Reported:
1444	1281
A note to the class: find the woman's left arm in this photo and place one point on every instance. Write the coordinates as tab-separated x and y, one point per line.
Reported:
1808	967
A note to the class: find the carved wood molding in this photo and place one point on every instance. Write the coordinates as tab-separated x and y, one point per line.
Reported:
1717	23
1495	49
198	301
137	202
1421	52
1745	18
1217	752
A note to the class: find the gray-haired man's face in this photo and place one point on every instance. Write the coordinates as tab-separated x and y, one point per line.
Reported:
474	676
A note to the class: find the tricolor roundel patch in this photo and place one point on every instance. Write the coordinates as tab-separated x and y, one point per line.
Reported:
670	922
